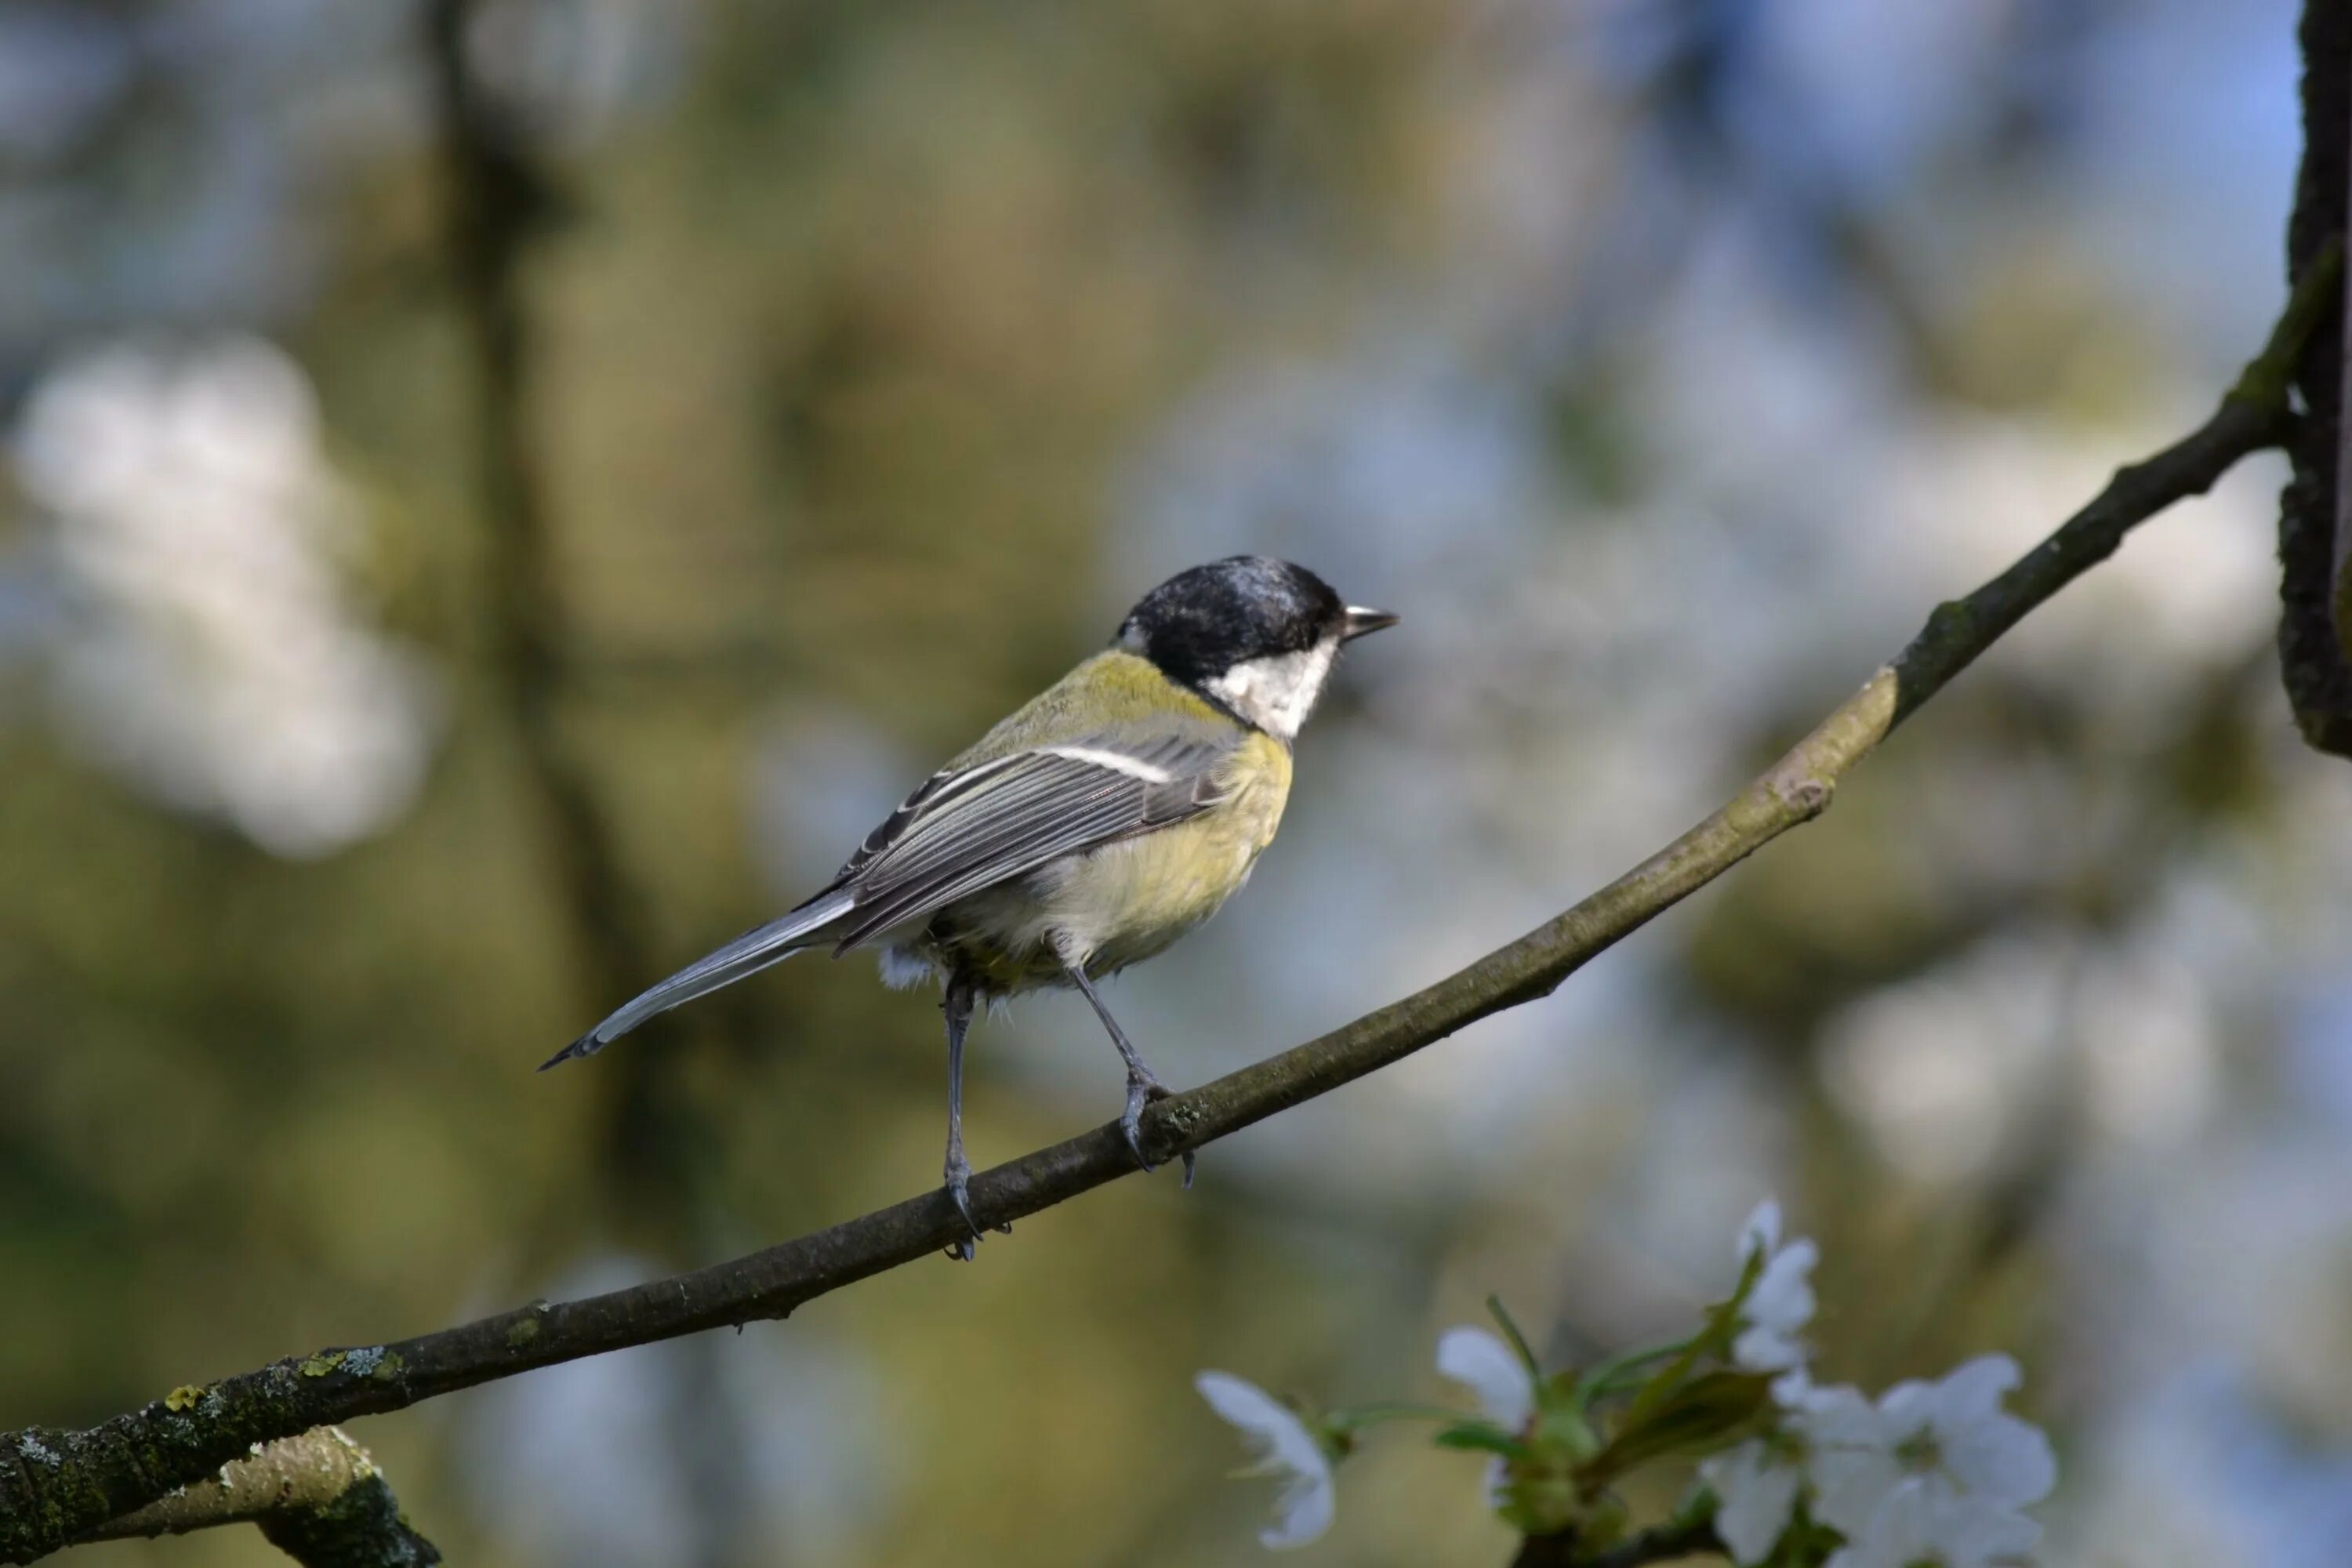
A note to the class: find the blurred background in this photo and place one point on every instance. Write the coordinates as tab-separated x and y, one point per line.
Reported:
493	502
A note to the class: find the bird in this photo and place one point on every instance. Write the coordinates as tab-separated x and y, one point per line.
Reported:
1110	814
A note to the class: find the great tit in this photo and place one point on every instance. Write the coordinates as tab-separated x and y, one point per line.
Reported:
1112	814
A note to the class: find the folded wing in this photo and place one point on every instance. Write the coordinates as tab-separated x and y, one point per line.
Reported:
965	830
971	829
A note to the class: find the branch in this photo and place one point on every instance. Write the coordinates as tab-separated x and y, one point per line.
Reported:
1667	1543
499	202
54	1484
1664	1544
2315	509
317	1498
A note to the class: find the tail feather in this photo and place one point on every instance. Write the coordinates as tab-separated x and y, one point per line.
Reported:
748	954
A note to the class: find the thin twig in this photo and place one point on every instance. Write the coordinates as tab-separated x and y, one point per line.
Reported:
56	1484
498	203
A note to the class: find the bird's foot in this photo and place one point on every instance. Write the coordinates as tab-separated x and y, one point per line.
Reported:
959	1182
1142	1089
1141	1085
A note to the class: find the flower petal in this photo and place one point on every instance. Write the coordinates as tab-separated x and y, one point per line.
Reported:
1921	1520
1491	1369
1277	1436
1784	1297
1849	1458
1972	1391
1303	1511
1266	1424
1849	1485
1909	1409
2005	1461
1903	1527
1973	1535
1842	1413
1757	1496
1761	1232
1761	1348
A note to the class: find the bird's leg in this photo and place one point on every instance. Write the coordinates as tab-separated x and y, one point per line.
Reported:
957	1004
1143	1085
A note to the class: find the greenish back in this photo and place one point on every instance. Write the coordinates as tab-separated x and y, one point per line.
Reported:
1112	695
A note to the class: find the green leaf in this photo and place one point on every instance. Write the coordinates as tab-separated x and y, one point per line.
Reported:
1719	1329
1563	1428
1349	1418
1519	1341
1611	1374
1477	1435
1701	1415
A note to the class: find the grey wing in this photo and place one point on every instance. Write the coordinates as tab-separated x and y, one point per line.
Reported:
965	831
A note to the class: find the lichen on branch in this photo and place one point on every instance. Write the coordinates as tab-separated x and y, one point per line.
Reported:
317	1498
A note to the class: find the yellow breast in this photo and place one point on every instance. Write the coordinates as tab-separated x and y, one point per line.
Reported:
1126	901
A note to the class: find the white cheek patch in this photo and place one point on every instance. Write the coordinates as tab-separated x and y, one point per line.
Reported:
1277	693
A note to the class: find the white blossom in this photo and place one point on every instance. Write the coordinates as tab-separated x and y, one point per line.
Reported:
1794	1389
1782	1302
217	654
1757	1484
1505	1389
1492	1371
1916	1526
1950	1439
1283	1449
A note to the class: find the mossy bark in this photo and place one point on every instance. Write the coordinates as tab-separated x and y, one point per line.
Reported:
317	1498
363	1527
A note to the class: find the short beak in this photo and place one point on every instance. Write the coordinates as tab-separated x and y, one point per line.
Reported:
1361	622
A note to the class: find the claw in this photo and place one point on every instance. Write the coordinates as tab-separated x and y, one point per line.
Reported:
959	1180
1139	1094
1130	1124
1141	1090
961	1193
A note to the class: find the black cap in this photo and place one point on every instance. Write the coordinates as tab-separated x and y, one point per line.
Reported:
1201	622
